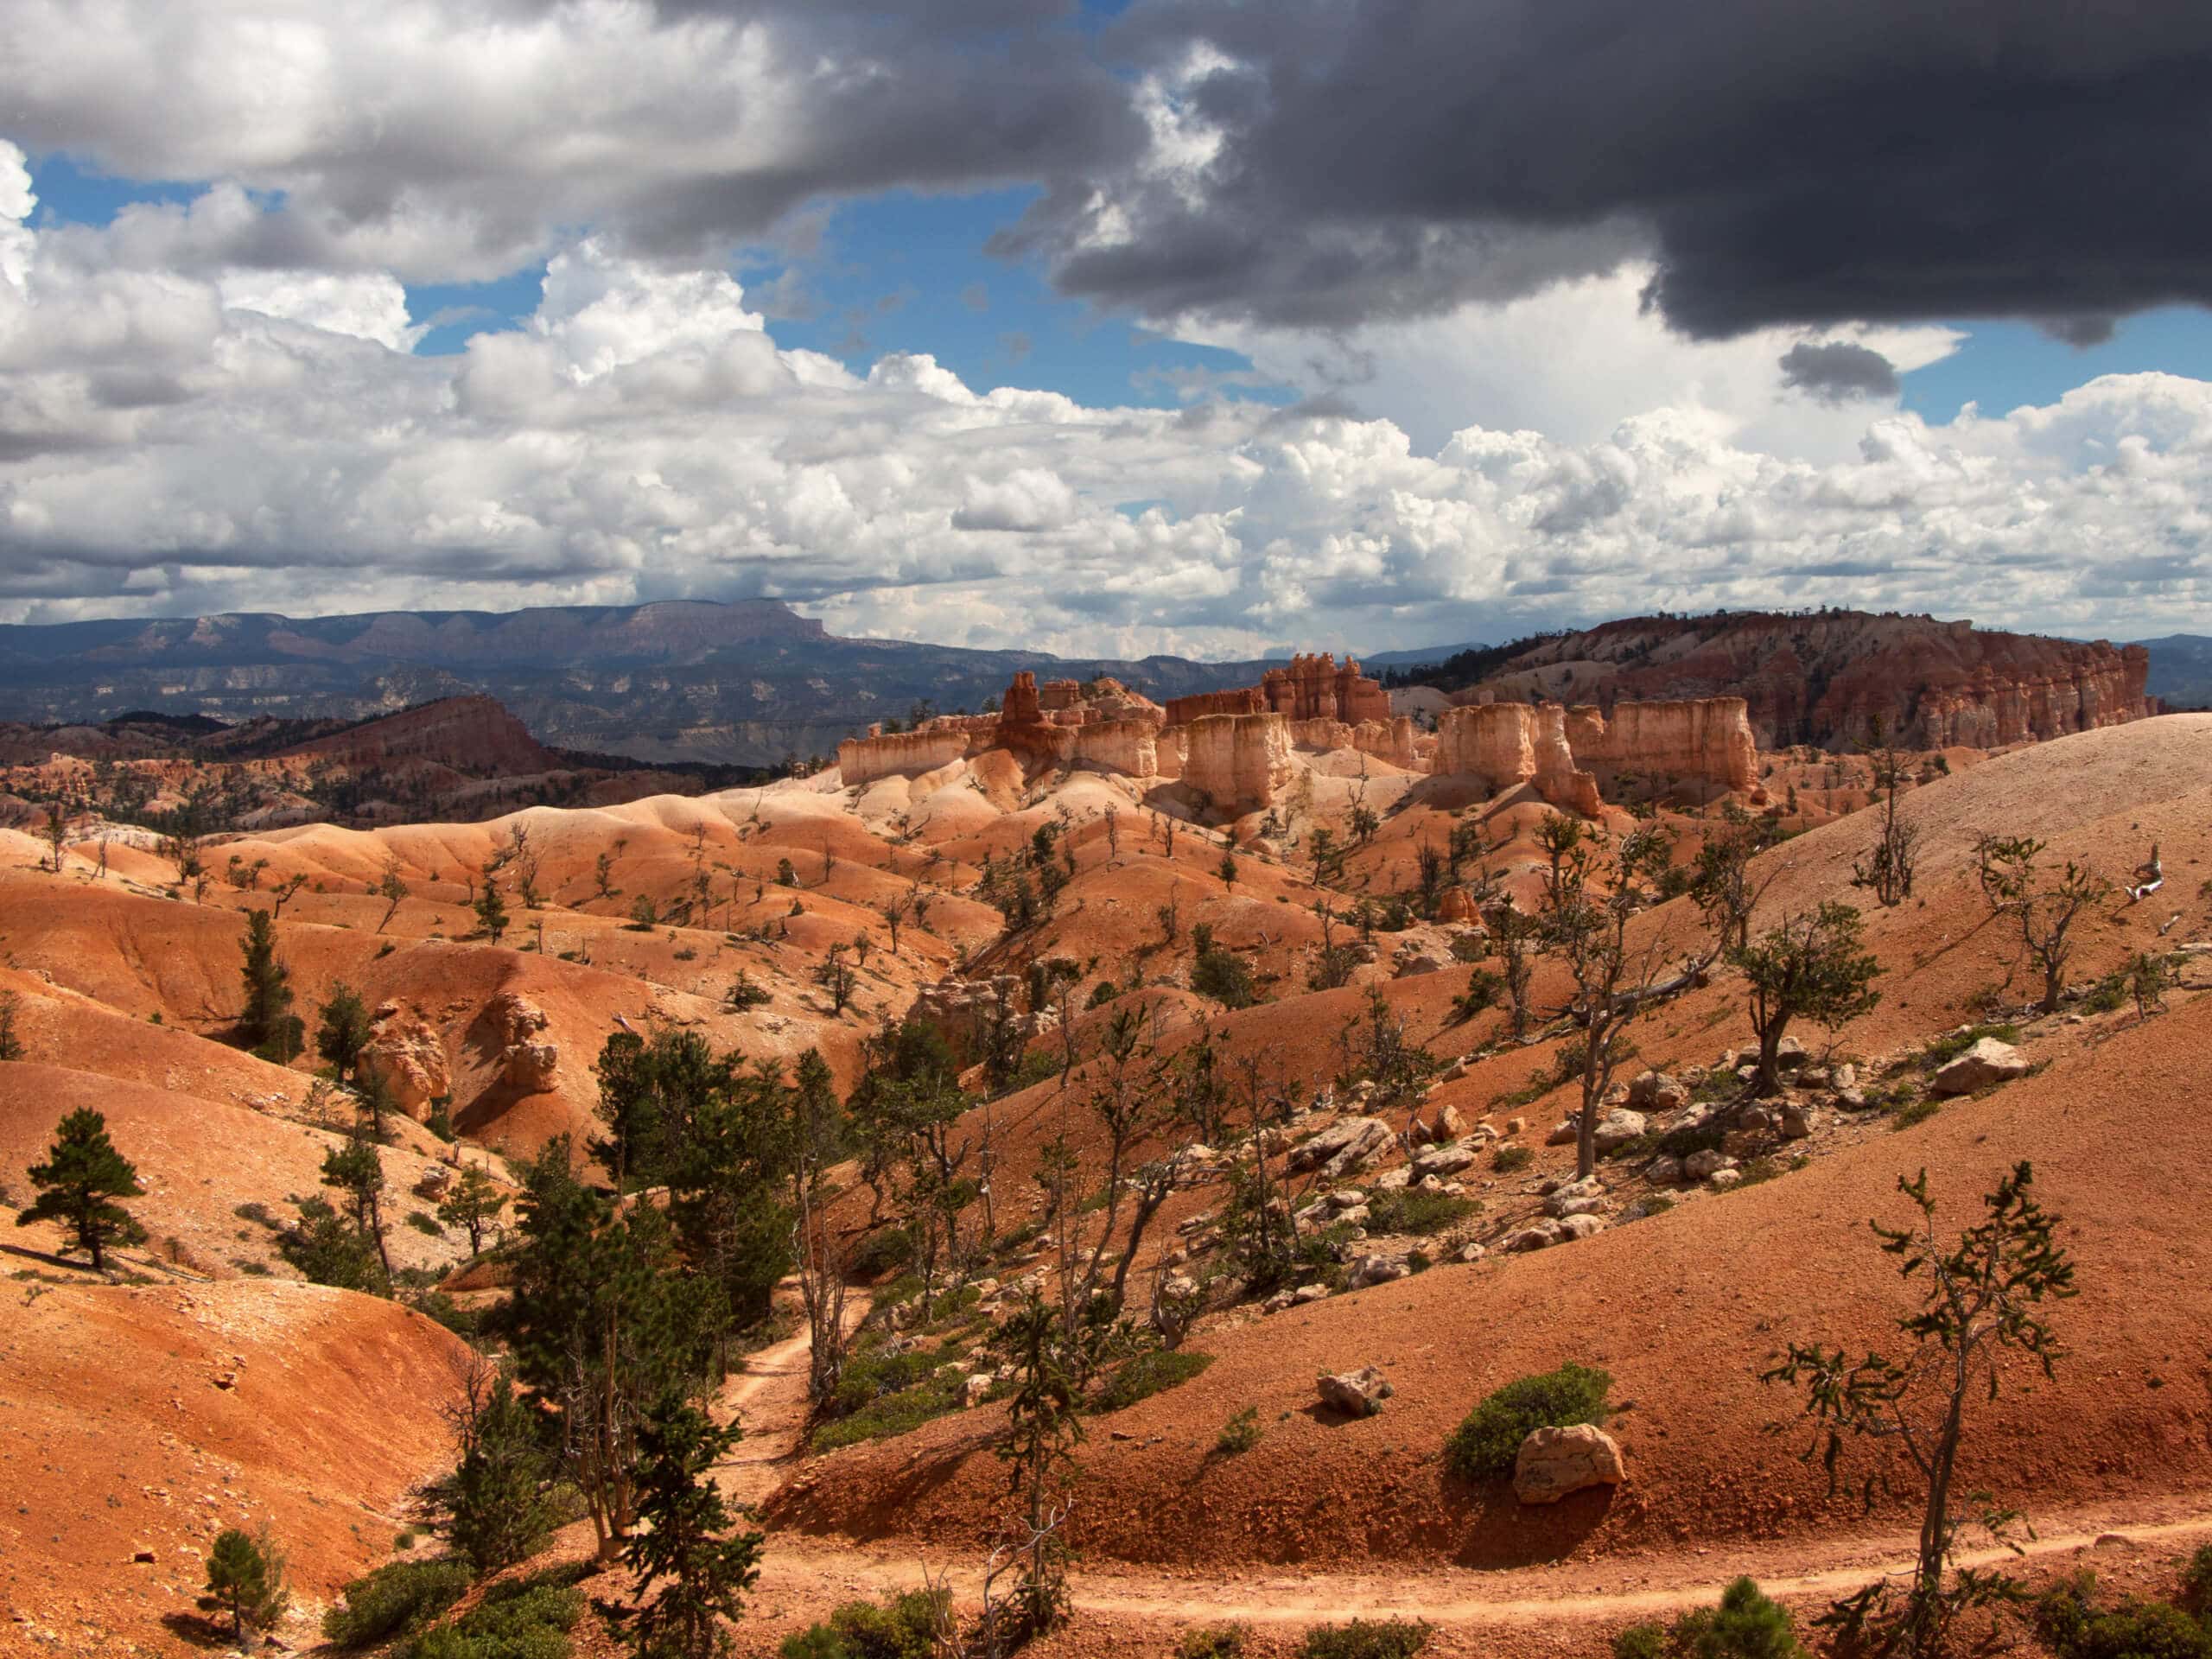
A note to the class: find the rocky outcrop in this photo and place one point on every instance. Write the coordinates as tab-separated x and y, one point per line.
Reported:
526	1063
1553	1463
1391	739
408	1059
864	759
1501	745
1315	688
1242	700
1826	679
1702	741
1988	1063
1240	763
1355	1394
1307	688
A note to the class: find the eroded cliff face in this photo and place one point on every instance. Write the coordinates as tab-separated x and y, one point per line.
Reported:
1240	763
1391	739
864	759
1705	741
1504	744
1826	679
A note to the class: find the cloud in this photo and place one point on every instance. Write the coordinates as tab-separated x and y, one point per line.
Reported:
1838	371
172	441
1323	162
450	140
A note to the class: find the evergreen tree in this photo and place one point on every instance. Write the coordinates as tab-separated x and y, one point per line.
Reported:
355	1170
702	1575
82	1176
328	1250
492	911
342	1029
245	1579
268	1026
495	1507
473	1206
608	1325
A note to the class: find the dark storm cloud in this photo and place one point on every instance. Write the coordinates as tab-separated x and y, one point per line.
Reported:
1839	370
1782	162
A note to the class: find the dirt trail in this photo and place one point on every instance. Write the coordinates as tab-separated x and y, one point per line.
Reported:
770	1397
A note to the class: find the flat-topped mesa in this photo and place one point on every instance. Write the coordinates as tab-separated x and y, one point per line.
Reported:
1701	743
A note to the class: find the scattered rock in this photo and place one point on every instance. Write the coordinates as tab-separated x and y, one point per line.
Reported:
1554	1462
1701	1164
1444	1160
1377	1270
1343	1146
1472	1252
973	1390
1618	1128
1305	1296
1721	1179
1356	1393
1580	1226
1988	1062
1536	1236
1563	1135
1796	1121
1664	1171
1845	1076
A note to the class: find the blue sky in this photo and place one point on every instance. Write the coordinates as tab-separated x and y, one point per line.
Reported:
1580	392
908	272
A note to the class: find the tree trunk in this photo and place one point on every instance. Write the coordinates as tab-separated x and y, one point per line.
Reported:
1769	1081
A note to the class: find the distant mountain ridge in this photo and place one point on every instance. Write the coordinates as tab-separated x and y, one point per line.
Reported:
742	683
2181	670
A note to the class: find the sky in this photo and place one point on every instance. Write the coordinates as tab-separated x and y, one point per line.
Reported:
1197	325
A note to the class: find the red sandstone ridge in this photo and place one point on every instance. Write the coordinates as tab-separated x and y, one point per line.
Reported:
1826	679
471	734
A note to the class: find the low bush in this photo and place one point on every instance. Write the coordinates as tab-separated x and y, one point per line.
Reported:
897	1413
1412	1212
1141	1376
1912	1112
2196	1582
1509	1158
883	1251
2074	1627
1746	1624
1485	1443
401	1597
904	1627
1240	1434
1224	977
1647	1641
1212	1641
528	1619
1367	1638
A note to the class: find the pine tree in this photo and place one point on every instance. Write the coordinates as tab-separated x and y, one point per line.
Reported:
82	1175
342	1029
355	1170
703	1575
473	1206
496	1511
268	1026
492	912
245	1579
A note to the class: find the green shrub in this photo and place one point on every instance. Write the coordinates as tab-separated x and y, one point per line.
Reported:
2073	1627
1642	1642
1240	1434
424	1222
881	1251
401	1597
897	1413
1509	1158
2196	1581
1945	1049
1212	1641
1485	1446
528	1619
1916	1111
1412	1212
1141	1376
1745	1625
1367	1638
903	1628
1224	977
